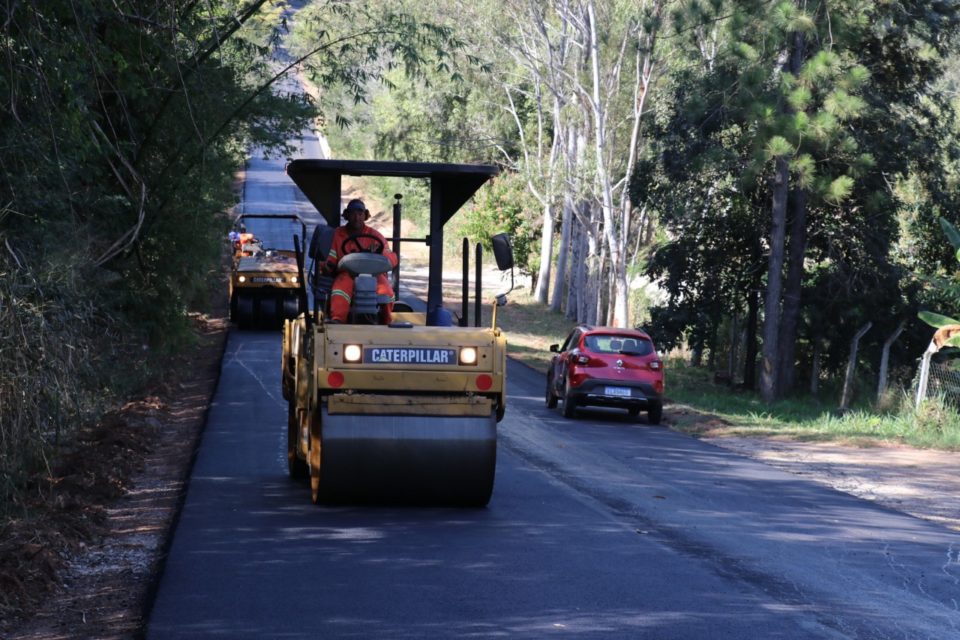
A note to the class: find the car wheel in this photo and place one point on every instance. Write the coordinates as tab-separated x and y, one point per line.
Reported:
569	405
654	414
551	396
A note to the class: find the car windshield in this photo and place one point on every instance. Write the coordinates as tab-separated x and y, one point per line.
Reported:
600	343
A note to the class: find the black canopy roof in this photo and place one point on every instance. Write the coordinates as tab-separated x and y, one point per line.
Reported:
451	185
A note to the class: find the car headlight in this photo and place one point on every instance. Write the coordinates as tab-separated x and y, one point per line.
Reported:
293	279
468	355
352	353
241	278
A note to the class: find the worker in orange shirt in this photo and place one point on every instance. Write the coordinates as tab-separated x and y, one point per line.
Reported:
356	214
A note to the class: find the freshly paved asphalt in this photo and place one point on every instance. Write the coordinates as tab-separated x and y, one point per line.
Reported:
600	527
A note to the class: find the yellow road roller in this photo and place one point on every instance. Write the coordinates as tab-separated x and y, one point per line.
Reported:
401	412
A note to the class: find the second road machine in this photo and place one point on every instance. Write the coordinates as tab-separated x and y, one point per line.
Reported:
263	286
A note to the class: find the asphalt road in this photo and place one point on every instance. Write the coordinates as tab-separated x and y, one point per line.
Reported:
599	527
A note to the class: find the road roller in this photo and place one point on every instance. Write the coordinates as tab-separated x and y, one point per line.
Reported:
264	283
404	412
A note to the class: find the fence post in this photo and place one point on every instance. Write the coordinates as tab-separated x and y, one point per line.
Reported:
925	373
851	367
885	359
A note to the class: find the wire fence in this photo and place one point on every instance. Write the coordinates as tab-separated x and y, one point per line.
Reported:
939	377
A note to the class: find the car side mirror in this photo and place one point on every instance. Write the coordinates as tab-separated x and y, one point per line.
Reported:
320	242
555	348
502	251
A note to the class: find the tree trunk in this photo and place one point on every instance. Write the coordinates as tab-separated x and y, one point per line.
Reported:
770	373
712	356
610	293
594	264
577	267
852	367
750	357
546	256
696	354
798	248
771	306
557	302
734	346
610	230
815	366
791	293
885	359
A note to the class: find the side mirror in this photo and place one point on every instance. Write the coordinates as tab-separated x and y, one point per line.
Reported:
320	242
555	348
502	251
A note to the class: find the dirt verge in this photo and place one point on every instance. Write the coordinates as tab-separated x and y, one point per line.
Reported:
921	482
83	560
924	483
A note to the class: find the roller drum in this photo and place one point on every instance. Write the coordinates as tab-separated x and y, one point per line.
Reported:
291	306
448	460
245	310
268	310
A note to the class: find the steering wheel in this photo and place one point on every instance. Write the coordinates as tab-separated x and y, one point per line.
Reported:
377	248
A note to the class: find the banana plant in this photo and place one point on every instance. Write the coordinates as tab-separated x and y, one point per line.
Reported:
939	321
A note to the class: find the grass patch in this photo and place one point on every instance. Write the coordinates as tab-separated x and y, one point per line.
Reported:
531	328
936	424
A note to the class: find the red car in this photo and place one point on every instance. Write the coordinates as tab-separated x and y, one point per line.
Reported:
605	366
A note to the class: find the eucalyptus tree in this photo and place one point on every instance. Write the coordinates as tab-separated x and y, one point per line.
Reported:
553	71
587	69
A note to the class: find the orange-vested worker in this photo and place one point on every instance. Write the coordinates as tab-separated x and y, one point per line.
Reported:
243	238
356	215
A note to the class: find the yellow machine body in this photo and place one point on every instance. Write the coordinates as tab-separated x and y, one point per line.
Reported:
408	421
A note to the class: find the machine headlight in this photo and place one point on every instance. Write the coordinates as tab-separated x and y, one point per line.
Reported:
468	355
241	278
352	353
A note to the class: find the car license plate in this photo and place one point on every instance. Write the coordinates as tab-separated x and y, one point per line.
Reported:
622	392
